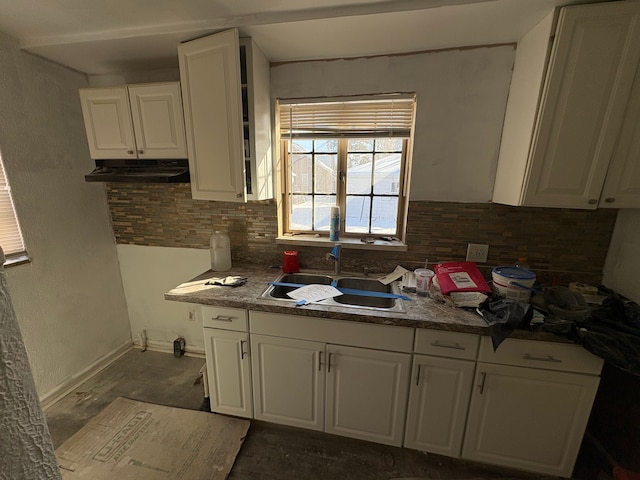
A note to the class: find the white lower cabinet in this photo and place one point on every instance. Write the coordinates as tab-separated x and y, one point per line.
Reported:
228	371
525	407
531	418
438	404
288	381
348	390
226	346
366	393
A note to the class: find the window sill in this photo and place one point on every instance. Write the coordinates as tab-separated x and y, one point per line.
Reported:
16	260
352	243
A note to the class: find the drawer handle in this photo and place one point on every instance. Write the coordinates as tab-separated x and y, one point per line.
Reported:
456	346
242	351
320	364
418	375
548	358
329	363
222	318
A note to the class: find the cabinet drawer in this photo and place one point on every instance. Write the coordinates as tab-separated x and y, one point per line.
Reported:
339	332
225	318
447	344
545	355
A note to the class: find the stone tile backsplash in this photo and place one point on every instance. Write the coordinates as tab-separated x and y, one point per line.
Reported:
565	244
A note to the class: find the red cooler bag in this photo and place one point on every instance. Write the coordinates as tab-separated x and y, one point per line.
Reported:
460	277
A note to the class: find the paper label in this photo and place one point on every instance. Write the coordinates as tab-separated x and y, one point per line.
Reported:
462	280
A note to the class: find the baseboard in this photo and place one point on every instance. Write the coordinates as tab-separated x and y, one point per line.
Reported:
76	380
167	347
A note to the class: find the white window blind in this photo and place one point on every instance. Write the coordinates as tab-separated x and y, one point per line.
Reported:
10	233
372	116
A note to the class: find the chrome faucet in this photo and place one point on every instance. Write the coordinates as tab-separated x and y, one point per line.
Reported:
336	257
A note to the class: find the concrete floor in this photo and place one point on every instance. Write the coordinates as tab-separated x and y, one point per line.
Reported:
270	452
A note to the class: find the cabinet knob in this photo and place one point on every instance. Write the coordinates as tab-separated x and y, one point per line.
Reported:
610	200
238	195
593	201
130	152
140	151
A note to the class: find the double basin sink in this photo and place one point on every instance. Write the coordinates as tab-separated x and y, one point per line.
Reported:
347	299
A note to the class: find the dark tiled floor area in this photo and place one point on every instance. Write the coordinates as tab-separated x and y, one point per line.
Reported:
270	452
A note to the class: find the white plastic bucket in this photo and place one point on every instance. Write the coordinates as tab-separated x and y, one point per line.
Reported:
513	282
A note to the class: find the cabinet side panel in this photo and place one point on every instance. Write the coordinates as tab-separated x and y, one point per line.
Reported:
522	108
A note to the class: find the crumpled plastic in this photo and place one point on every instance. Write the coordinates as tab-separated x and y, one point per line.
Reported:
503	316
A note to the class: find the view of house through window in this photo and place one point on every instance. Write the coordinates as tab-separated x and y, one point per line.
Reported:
350	154
10	233
373	169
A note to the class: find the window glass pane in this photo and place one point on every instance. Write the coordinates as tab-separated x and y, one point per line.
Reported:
300	171
326	173
359	167
300	146
388	144
322	209
300	212
326	146
357	215
360	145
386	175
384	214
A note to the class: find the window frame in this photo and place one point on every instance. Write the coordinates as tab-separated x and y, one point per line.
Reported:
12	224
341	194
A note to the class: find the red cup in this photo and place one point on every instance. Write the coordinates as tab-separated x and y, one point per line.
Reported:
290	261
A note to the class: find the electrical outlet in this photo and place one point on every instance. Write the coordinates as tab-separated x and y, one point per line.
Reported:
477	252
191	315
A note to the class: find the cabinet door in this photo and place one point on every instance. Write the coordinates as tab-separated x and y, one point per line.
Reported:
212	101
288	381
228	372
622	187
367	393
438	404
158	122
107	121
528	419
592	66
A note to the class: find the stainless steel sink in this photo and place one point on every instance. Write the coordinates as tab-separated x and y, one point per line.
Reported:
287	282
368	285
280	291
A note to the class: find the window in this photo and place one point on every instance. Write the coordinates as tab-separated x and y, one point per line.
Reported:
351	153
10	233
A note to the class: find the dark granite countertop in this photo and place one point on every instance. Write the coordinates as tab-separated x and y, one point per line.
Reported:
420	312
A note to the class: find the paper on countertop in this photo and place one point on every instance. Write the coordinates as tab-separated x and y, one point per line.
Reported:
467	299
314	293
396	274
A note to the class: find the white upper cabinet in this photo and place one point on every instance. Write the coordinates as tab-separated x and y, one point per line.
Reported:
228	157
135	121
562	128
622	185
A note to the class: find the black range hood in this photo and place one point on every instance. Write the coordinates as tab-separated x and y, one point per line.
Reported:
140	170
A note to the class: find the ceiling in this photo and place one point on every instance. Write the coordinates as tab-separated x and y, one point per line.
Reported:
114	36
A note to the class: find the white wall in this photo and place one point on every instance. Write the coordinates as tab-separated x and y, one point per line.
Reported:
622	267
69	300
461	99
149	272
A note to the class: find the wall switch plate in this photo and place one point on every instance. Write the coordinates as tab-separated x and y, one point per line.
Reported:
477	252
